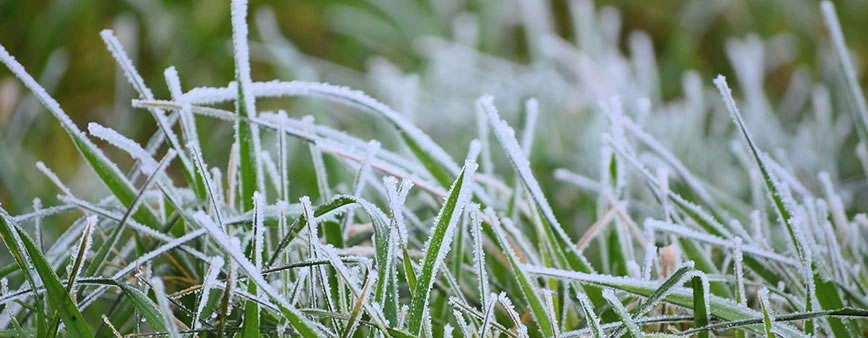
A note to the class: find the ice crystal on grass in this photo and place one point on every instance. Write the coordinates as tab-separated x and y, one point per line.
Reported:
622	312
834	27
717	241
396	197
53	178
159	251
478	252
739	271
163	301
242	54
211	274
122	142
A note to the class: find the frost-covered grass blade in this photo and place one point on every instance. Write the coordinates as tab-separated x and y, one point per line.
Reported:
438	245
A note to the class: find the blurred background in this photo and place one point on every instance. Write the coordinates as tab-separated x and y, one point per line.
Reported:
430	60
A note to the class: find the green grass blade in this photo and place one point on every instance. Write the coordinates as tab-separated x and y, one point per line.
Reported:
675	279
528	286
738	268
208	299
145	307
244	138
84	246
700	303
245	106
767	317
9	269
384	257
458	253
188	128
777	196
591	317
353	322
762	269
57	296
860	113
617	261
830	299
163	304
250	327
334	204
112	240
438	245
409	273
478	252
82	252
632	328
10	238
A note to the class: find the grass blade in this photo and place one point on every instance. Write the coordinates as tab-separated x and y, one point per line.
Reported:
520	328
528	286
353	322
738	266
591	317
207	285
245	106
83	248
767	317
58	298
478	253
337	203
16	249
146	307
700	303
674	280
281	150
860	113
438	245
488	315
163	302
409	272
632	328
425	146
772	184
830	299
251	309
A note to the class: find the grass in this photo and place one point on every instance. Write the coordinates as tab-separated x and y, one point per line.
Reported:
692	225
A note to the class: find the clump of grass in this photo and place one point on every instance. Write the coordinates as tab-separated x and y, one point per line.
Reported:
369	256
